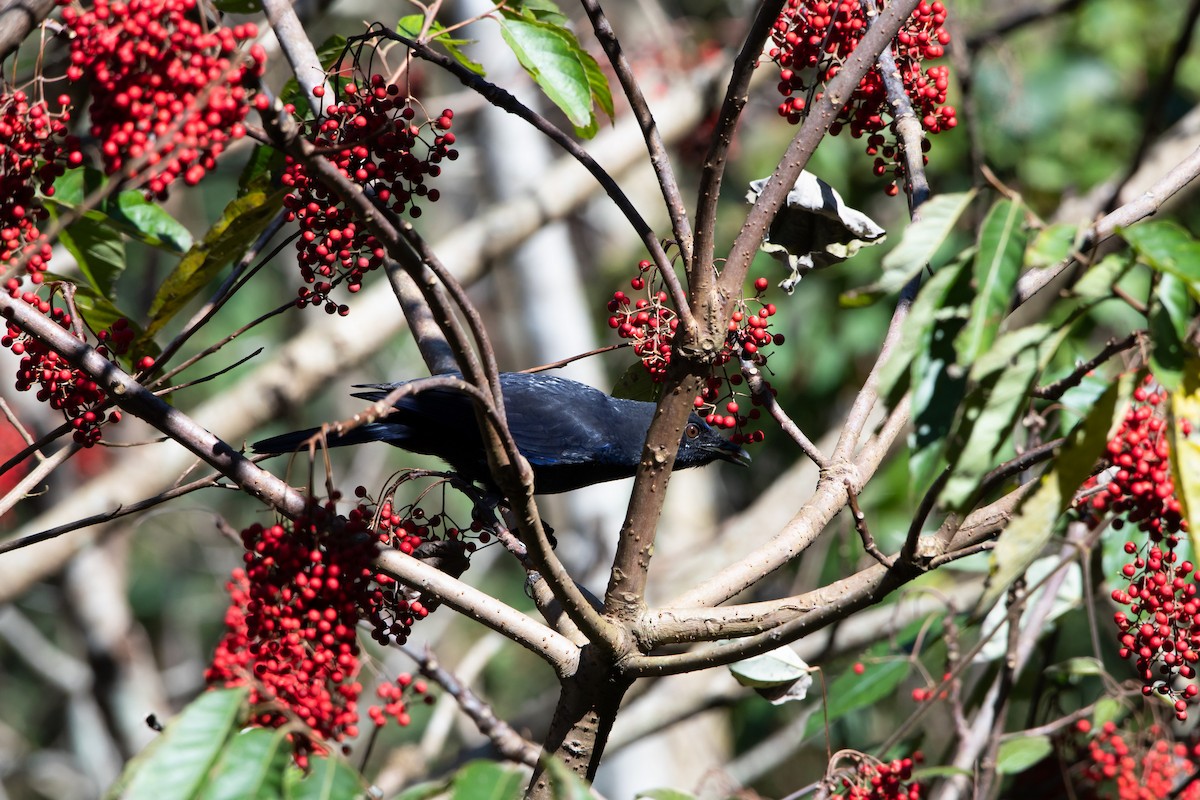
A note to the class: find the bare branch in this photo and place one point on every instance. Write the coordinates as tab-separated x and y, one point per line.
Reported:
659	158
510	744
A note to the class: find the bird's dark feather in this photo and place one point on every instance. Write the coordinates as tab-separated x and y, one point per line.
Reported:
572	434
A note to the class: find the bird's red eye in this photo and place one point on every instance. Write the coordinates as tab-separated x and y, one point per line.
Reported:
692	430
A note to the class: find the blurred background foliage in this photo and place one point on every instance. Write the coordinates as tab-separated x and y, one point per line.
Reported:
1057	109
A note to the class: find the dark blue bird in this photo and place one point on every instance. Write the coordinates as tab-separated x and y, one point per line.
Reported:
571	434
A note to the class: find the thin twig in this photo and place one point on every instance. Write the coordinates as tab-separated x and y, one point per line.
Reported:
864	533
508	743
766	398
659	158
1053	391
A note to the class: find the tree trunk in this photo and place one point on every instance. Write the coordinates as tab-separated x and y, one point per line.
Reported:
582	721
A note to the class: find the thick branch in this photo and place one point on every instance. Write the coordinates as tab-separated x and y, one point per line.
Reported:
17	19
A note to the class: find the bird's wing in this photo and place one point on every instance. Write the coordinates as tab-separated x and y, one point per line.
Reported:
556	422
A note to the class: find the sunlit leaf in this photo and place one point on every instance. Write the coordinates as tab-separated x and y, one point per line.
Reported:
327	778
252	765
852	691
98	250
997	263
237	229
1022	541
554	59
1170	314
1168	248
1051	246
411	25
1019	754
924	237
488	780
177	763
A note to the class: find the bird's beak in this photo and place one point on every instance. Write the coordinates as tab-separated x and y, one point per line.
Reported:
737	455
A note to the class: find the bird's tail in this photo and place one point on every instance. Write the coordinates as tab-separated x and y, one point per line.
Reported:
290	442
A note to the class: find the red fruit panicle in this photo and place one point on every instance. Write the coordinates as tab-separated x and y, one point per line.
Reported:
371	137
64	388
35	150
1160	631
166	84
881	780
291	627
812	39
649	323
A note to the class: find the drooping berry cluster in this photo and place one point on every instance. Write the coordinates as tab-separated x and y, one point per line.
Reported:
650	323
882	780
1161	630
291	624
1145	768
371	136
166	83
813	38
34	151
65	388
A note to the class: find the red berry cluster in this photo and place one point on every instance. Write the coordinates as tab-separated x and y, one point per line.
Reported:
1161	631
166	84
922	694
373	140
813	38
650	323
1148	768
882	780
34	151
291	624
65	388
395	705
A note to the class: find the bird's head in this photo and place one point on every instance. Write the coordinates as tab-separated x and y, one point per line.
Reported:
702	444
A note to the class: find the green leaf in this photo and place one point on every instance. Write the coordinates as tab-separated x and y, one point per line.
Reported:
129	212
598	83
1108	709
241	223
542	10
1170	314
554	59
997	263
76	185
327	779
98	249
265	165
1000	382
1168	248
851	692
1185	450
1051	245
425	790
914	335
939	385
252	766
1018	755
1097	283
923	238
411	25
1083	666
487	780
240	6
565	784
1022	541
663	794
148	222
176	765
779	666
